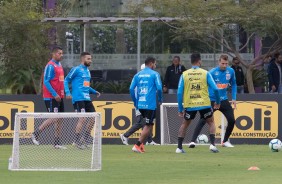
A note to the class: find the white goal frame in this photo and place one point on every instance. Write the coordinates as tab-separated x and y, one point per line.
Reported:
163	120
96	160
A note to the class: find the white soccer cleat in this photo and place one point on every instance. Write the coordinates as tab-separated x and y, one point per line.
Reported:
124	139
33	138
152	143
213	149
227	144
180	151
60	147
191	145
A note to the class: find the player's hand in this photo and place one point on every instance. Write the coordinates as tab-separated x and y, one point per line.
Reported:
181	114
216	106
233	102
58	98
69	97
273	88
165	89
98	94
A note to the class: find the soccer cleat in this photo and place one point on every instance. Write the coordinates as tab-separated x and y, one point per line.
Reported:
152	143
191	145
180	151
34	139
79	146
227	144
137	149
124	139
142	148
213	149
60	147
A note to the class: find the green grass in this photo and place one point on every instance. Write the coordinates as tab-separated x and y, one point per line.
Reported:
160	164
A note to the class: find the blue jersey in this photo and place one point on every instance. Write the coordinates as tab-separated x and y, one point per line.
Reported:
147	82
80	80
223	79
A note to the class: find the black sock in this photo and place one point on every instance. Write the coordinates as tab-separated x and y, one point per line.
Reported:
138	143
57	141
212	138
77	136
36	133
87	135
180	140
198	129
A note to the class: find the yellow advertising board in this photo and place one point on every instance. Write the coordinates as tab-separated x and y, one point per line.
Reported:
117	118
8	110
254	119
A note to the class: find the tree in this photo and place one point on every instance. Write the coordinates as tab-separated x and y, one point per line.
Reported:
215	23
23	45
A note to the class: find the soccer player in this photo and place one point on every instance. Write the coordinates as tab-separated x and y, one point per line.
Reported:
140	123
79	77
193	93
53	94
148	83
223	77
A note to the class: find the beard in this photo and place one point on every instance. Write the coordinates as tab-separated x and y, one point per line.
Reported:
87	64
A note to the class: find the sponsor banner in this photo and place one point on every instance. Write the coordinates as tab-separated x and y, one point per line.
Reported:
117	118
254	119
7	118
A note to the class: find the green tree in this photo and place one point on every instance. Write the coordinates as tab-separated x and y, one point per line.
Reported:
23	45
216	22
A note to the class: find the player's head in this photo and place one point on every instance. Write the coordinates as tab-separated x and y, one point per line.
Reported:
142	66
196	59
176	60
57	53
235	61
223	62
151	62
85	58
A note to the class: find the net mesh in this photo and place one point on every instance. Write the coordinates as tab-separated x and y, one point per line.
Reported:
170	123
70	155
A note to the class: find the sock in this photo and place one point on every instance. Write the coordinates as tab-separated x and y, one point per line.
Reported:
87	136
180	140
229	130
57	141
212	139
36	133
198	129
77	136
138	143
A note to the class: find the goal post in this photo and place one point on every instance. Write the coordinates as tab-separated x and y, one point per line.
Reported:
27	156
170	123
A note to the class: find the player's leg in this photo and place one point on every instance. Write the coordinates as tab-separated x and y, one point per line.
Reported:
58	125
87	137
188	117
201	123
150	140
207	114
50	108
148	117
77	107
228	112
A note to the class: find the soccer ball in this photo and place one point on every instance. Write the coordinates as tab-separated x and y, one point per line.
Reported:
202	139
275	145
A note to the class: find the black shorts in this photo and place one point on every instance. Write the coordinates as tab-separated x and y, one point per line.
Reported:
227	110
204	113
51	104
86	105
149	115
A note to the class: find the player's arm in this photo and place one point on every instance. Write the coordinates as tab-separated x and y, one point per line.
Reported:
68	79
93	91
48	76
233	89
158	83
166	79
132	90
213	86
180	94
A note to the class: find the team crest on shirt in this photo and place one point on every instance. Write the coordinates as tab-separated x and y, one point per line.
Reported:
216	73
228	76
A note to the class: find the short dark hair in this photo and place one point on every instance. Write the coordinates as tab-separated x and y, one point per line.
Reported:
56	48
84	54
177	57
149	60
224	57
235	59
276	54
195	58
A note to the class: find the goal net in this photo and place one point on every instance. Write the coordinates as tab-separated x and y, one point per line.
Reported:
46	157
170	123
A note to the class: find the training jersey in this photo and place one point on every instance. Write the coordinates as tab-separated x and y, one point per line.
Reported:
223	79
79	77
53	80
147	82
193	90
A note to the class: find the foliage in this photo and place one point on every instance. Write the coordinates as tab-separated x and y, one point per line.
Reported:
24	45
115	87
259	78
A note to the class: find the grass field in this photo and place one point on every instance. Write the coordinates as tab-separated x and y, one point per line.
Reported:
160	164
